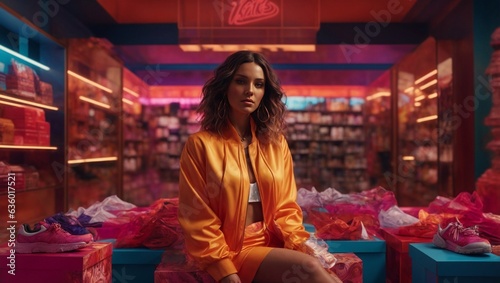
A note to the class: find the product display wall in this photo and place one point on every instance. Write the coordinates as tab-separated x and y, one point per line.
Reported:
94	122
32	106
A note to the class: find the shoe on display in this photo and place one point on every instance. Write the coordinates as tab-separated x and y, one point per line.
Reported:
457	238
69	223
48	238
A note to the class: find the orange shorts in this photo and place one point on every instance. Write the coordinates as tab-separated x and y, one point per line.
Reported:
257	243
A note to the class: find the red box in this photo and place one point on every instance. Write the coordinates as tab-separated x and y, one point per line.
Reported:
85	265
45	93
21	86
23	113
398	261
43	140
25	124
25	137
349	267
6	131
43	127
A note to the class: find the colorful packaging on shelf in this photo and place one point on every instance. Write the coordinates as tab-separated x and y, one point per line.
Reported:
25	137
6	131
23	113
43	129
25	124
3	81
44	92
21	80
26	177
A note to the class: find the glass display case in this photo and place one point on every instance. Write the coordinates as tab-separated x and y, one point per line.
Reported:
170	123
424	107
378	124
327	140
137	175
94	120
32	106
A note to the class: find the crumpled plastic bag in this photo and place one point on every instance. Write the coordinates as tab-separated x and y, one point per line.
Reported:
331	227
155	229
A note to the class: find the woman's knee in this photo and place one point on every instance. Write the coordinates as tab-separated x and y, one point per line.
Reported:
305	270
312	265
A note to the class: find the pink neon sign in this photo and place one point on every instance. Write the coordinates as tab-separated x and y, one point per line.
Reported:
250	11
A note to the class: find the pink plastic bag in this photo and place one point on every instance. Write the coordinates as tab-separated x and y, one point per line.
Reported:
156	229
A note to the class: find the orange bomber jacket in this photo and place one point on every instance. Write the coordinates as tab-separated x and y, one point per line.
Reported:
213	196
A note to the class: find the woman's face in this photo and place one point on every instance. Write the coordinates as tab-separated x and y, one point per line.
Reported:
246	90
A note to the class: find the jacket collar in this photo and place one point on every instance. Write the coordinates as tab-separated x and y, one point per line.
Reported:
230	132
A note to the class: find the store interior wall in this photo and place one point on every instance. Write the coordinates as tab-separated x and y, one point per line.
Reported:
486	20
485	17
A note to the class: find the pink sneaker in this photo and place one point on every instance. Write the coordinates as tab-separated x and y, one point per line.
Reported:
48	238
455	237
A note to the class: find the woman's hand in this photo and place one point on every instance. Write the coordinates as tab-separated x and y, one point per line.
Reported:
233	278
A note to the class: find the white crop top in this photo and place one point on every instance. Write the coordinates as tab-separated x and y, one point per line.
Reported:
254	195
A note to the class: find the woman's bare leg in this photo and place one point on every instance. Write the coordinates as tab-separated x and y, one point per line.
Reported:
289	266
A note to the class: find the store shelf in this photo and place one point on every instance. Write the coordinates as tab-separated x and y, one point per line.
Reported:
137	180
326	138
94	122
32	106
424	139
12	99
27	147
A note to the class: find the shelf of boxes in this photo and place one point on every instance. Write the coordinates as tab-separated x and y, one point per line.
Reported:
327	142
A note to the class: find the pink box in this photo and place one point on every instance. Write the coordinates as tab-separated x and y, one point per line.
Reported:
86	265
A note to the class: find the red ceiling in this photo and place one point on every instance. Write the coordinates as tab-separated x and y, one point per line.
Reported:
333	11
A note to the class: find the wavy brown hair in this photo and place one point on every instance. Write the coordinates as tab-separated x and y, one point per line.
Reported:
214	106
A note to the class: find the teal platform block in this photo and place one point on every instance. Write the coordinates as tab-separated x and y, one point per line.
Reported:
371	252
133	265
431	264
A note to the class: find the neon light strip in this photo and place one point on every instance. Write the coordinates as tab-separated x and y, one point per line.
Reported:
127	101
377	95
27	147
426	76
433	82
25	102
11	104
20	56
92	83
88	160
131	92
428	118
420	97
89	100
417	104
408	158
252	47
432	95
408	90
